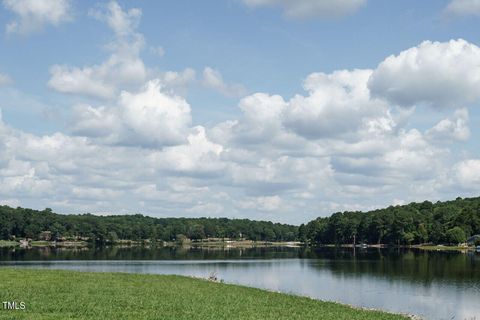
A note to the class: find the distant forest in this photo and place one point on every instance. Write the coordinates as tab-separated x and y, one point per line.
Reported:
449	222
28	223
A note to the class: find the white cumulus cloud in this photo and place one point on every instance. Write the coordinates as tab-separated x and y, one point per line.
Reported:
147	118
123	69
468	173
33	15
452	129
337	104
439	74
178	80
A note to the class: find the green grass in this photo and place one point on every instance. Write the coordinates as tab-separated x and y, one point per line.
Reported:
6	243
40	243
52	294
444	248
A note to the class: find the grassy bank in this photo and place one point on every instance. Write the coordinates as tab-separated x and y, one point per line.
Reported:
58	244
7	243
444	248
52	294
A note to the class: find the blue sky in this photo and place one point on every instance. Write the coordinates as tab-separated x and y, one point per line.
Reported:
267	109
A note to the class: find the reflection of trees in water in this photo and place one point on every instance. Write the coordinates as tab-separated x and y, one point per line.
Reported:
409	265
145	253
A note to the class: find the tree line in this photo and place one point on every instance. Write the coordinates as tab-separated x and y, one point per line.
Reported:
29	223
449	222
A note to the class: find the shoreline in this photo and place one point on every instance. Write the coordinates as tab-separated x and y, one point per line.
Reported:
134	243
229	244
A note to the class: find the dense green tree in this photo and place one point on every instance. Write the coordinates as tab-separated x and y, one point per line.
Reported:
112	236
197	232
302	233
408	237
456	235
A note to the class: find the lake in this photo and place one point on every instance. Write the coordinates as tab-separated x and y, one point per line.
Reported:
434	285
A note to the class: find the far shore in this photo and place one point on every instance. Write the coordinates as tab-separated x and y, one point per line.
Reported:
444	248
223	244
426	247
147	243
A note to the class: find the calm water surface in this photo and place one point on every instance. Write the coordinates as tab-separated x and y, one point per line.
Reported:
434	285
